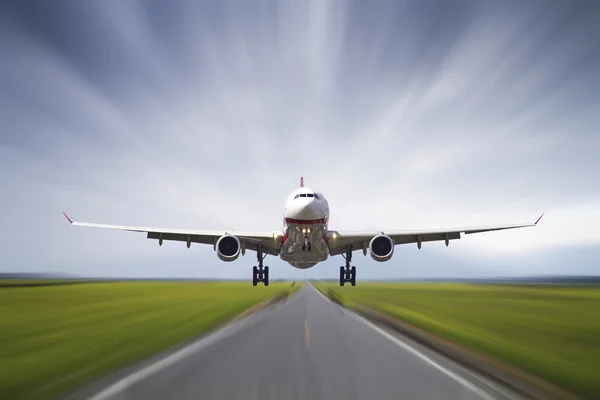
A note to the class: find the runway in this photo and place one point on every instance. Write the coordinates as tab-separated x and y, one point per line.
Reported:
304	348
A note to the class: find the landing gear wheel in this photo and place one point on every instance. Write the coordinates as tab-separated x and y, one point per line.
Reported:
308	246
303	247
348	273
260	273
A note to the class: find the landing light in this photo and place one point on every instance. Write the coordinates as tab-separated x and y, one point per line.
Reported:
334	235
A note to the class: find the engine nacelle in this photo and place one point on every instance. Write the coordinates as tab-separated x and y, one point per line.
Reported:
228	248
381	248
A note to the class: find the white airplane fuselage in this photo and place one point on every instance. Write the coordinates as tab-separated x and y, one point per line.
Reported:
305	219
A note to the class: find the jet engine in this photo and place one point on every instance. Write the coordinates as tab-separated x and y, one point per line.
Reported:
381	248
228	248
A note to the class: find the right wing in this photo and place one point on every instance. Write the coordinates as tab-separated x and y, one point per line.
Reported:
270	241
339	242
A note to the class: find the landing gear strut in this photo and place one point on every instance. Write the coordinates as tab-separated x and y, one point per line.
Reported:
260	273
347	273
307	245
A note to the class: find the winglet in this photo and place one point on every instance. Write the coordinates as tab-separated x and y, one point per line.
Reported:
538	220
67	217
301	181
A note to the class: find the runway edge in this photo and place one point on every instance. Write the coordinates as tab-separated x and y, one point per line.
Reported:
90	389
518	380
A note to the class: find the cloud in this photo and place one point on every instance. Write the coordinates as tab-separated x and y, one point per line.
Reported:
204	116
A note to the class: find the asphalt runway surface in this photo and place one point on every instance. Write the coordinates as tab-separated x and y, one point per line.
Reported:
304	348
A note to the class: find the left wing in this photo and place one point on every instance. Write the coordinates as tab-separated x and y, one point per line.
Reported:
339	241
270	241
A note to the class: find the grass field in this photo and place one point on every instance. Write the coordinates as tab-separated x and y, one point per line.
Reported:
56	338
551	331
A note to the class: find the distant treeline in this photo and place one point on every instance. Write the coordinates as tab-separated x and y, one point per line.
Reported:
27	283
16	280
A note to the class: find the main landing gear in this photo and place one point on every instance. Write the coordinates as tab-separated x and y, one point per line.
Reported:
347	273
260	273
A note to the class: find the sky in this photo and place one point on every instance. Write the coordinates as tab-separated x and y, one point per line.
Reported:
203	115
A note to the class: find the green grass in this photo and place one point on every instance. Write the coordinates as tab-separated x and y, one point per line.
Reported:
56	338
551	331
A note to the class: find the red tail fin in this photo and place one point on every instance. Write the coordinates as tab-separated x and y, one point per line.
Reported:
301	181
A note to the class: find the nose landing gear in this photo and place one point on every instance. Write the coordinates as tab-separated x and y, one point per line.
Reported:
348	273
260	273
307	244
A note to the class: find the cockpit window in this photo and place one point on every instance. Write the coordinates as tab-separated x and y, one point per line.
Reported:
307	195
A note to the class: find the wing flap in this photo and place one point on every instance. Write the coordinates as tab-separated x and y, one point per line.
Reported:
183	237
424	237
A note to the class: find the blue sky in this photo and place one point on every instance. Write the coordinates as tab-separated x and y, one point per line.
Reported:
406	114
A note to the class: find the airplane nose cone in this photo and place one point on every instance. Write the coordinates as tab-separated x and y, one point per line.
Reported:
305	210
309	212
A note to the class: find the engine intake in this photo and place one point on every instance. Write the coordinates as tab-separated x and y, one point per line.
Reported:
228	248
381	248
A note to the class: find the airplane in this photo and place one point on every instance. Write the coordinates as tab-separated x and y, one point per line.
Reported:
305	239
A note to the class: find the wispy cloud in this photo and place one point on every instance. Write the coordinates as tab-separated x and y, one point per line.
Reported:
203	115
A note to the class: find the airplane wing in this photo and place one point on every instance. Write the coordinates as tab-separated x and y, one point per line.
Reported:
270	241
339	241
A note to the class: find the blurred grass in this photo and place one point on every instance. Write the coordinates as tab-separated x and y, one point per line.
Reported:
551	331
56	338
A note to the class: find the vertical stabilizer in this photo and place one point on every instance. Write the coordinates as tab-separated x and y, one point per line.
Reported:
301	181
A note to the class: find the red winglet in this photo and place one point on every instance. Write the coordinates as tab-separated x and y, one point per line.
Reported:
67	217
301	181
538	220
